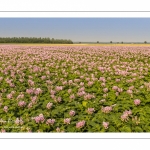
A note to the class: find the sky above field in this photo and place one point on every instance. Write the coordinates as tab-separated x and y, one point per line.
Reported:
78	29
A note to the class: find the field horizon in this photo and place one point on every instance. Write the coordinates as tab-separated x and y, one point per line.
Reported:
43	44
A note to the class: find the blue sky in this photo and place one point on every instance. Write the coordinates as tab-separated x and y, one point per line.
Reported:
78	29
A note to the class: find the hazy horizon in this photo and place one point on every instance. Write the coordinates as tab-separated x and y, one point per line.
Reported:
79	29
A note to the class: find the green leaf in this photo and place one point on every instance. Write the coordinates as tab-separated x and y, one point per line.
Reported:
125	129
111	129
138	129
84	103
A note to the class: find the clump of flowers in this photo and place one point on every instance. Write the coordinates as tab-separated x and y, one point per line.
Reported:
34	99
52	92
58	129
3	130
69	91
82	93
102	79
117	80
70	82
72	113
43	77
5	109
59	99
30	105
39	118
30	91
9	96
1	78
120	90
88	96
115	88
105	125
117	93
106	109
19	121
72	96
50	121
30	82
80	124
67	121
90	110
103	84
20	96
21	103
59	88
105	90
90	83
49	105
126	114
129	91
137	102
37	91
131	87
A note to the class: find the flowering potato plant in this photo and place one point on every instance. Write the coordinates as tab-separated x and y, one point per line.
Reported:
74	89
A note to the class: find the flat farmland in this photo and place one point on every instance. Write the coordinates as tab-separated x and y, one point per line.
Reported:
75	88
68	45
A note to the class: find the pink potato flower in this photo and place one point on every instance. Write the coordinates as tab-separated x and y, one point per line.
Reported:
105	124
129	91
49	105
137	102
59	88
17	121
80	124
67	121
105	90
37	91
9	96
50	121
72	113
106	109
58	129
115	88
43	77
59	99
30	105
125	115
90	110
39	118
5	109
21	103
3	130
69	91
103	84
72	96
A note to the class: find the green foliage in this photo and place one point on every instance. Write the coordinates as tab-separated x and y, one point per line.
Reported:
138	129
63	67
125	129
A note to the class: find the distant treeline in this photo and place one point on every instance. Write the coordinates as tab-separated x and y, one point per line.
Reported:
33	40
